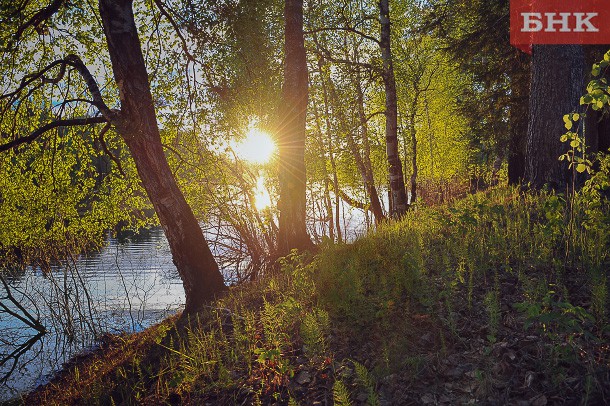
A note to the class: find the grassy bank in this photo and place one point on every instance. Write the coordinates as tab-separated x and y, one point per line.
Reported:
499	298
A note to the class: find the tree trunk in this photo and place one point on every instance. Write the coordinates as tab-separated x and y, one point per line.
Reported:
369	179
397	182
137	125
557	84
414	150
519	119
291	137
331	150
327	199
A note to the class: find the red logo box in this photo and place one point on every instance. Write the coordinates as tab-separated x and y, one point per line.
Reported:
559	22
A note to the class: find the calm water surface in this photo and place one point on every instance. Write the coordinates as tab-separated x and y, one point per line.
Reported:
127	286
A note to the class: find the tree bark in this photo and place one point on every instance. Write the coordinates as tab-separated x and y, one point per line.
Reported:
519	119
137	124
291	137
413	132
330	218
397	182
369	179
557	83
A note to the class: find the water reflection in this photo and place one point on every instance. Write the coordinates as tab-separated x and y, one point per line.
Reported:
127	286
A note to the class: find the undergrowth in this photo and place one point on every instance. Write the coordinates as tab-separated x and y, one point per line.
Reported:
493	278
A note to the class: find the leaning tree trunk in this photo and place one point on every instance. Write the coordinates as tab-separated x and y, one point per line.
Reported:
557	84
137	125
291	137
397	181
369	179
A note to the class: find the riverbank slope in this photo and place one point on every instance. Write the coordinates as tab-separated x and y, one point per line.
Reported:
501	298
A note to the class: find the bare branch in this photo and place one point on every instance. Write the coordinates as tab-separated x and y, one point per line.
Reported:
26	317
107	151
94	89
38	18
68	101
165	11
348	29
59	123
171	20
29	79
328	55
77	63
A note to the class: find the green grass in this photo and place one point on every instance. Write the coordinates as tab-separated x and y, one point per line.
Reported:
473	279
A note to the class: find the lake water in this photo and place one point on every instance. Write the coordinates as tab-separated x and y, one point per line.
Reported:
126	286
129	286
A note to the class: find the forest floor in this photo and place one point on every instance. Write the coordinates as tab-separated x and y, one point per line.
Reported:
478	302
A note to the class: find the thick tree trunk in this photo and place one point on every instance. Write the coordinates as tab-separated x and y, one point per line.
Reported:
519	119
397	181
291	137
137	125
516	146
558	74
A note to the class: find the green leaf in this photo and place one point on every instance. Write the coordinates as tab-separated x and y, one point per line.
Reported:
574	143
569	125
575	116
580	168
596	70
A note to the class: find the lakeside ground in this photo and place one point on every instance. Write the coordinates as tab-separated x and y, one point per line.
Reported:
500	298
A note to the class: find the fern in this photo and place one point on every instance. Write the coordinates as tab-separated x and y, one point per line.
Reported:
340	394
365	379
313	330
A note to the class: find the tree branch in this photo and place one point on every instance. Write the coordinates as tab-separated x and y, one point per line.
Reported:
98	101
165	11
47	127
27	317
77	63
173	23
29	79
107	150
348	199
348	29
38	18
328	55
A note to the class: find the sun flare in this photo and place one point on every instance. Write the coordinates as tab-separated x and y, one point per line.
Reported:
258	147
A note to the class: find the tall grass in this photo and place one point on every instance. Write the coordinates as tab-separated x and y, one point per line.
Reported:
412	287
